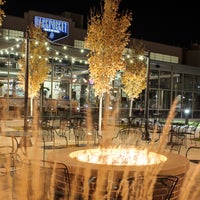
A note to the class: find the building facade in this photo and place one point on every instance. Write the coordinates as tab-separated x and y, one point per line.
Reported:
68	83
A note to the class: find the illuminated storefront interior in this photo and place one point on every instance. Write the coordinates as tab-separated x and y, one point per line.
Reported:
69	78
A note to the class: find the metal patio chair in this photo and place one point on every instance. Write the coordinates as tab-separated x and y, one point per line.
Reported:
43	180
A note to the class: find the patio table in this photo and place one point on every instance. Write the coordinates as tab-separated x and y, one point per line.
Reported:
19	139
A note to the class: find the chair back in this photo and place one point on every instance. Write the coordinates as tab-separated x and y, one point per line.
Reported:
9	161
122	137
79	134
167	183
46	132
56	123
44	180
10	165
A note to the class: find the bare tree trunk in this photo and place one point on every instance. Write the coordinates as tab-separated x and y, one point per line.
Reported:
31	106
131	107
100	113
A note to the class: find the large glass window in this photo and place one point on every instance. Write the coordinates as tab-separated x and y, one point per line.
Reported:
154	79
165	80
165	99
188	82
197	83
153	99
177	81
178	95
196	101
196	114
187	100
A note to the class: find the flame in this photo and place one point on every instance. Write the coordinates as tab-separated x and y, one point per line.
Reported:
118	156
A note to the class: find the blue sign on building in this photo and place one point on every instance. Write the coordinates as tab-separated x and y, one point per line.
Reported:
56	29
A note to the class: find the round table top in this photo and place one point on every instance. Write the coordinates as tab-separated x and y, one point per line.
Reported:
16	133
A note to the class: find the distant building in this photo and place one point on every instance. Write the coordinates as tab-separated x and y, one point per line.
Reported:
174	71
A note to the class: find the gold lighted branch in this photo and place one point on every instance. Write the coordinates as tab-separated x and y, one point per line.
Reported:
2	13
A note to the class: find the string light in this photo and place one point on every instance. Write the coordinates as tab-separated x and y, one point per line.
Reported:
57	52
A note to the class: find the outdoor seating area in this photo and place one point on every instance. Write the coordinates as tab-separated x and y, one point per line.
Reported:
56	133
52	132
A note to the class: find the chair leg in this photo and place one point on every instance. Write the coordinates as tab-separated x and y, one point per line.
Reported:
76	140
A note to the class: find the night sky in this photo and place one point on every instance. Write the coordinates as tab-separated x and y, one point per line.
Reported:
168	22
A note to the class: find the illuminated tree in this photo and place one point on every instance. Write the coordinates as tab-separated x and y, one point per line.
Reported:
38	62
134	76
2	13
106	39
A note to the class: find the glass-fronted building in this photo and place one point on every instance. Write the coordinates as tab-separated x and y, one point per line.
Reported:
68	83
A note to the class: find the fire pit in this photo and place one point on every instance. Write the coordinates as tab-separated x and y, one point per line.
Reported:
112	164
118	156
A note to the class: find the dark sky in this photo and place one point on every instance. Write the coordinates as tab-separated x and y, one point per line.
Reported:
169	22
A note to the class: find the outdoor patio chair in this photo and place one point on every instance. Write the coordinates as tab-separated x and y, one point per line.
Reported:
127	136
167	183
66	128
43	180
10	164
96	137
177	143
118	188
177	138
121	137
55	123
164	183
192	154
79	135
48	135
58	129
190	131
